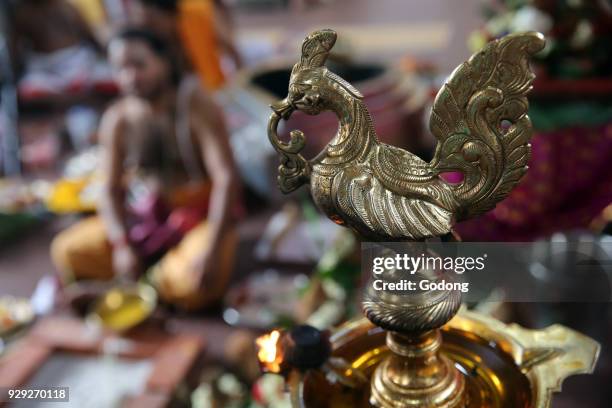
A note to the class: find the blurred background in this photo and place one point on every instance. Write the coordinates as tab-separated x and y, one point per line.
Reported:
138	192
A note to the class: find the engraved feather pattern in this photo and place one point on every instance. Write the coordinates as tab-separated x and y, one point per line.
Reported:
414	317
467	117
386	193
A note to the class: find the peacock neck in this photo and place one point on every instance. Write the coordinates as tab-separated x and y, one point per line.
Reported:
355	131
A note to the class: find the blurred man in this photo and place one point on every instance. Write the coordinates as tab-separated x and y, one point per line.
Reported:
170	183
202	27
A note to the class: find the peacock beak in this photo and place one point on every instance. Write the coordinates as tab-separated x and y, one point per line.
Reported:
283	108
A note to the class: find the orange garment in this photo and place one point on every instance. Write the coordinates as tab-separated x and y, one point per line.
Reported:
196	23
83	252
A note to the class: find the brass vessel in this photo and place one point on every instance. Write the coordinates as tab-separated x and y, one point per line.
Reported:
124	307
416	351
502	366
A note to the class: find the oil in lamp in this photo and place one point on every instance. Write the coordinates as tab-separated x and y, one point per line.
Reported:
424	349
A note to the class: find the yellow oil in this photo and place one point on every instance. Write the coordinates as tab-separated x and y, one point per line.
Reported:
120	311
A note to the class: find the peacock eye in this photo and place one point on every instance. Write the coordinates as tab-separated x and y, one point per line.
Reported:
299	89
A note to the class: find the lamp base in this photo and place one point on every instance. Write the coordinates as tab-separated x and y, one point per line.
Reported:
416	374
502	366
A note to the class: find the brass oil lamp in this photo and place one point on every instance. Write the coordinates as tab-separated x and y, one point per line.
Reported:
422	350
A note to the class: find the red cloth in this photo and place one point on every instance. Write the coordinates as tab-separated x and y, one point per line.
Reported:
156	227
568	184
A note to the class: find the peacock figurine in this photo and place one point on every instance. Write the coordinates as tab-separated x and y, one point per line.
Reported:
386	193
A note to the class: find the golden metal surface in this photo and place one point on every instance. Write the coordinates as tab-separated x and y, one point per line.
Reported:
413	311
386	193
416	374
504	366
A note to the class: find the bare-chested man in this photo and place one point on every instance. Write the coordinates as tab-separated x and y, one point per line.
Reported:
170	183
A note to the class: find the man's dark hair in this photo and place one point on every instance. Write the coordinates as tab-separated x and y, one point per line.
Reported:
158	45
170	6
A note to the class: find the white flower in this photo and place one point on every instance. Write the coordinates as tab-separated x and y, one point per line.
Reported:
529	18
583	35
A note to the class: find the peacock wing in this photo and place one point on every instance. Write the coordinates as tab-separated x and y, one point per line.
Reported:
396	168
406	174
480	120
376	211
